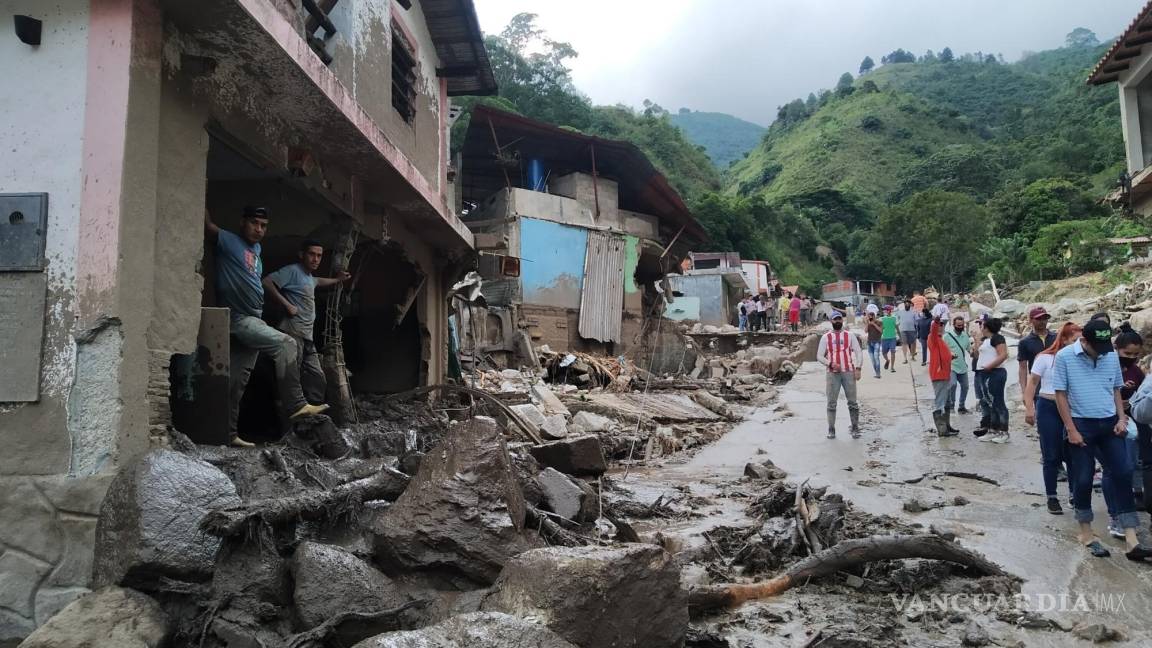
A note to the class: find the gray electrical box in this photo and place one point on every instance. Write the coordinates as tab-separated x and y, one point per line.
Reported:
23	231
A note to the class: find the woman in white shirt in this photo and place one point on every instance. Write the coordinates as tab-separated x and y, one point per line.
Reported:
992	353
1040	410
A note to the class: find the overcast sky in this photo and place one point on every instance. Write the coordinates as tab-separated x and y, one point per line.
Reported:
746	57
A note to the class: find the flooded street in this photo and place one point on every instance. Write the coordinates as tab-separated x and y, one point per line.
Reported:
1006	522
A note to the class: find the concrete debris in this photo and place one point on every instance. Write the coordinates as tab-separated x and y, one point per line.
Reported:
548	401
624	596
329	580
149	524
561	495
476	630
1097	633
1008	308
555	427
584	423
574	456
764	470
112	616
464	510
714	404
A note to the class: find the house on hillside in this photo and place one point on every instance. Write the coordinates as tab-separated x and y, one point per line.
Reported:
708	289
575	233
130	121
860	292
1128	64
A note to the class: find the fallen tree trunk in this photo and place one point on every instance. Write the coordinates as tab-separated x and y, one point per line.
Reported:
846	554
388	484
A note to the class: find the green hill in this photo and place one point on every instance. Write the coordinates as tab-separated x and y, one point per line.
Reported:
1029	142
724	137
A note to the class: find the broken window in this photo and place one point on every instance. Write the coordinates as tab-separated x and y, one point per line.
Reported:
403	75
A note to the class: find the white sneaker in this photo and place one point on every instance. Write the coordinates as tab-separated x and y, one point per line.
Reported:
1001	437
1115	531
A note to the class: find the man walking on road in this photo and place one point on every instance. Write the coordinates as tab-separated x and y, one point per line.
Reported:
960	345
238	270
1034	343
889	338
839	351
875	332
1087	381
294	287
906	318
940	372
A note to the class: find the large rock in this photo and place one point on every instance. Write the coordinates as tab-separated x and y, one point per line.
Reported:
574	456
626	596
476	630
149	524
330	580
1067	306
561	495
584	423
976	310
1141	322
1009	308
112	616
464	510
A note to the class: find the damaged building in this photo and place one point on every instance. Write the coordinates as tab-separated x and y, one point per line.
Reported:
576	235
131	120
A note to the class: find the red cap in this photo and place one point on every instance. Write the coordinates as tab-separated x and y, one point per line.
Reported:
1037	313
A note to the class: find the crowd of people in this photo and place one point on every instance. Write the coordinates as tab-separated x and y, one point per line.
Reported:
1081	386
779	310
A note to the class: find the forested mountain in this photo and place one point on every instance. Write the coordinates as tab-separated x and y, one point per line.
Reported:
725	138
928	155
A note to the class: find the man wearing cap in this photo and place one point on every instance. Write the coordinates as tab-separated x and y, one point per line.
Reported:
1034	343
1087	380
238	286
839	351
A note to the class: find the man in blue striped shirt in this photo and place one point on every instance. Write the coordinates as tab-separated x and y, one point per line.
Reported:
1087	380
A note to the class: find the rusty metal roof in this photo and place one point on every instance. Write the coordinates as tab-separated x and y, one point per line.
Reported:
1127	47
455	32
602	298
641	186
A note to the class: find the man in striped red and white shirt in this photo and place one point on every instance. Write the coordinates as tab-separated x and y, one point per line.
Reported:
839	351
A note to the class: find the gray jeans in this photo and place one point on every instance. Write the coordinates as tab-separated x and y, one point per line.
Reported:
250	338
835	381
943	392
312	379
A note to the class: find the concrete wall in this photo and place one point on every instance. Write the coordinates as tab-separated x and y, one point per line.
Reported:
707	294
552	263
570	211
362	61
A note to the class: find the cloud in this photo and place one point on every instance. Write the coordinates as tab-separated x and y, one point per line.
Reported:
746	57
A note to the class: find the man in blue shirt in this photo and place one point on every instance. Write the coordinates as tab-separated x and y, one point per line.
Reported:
1087	380
294	287
238	270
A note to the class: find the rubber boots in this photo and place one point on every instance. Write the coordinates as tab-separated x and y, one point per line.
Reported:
832	424
855	416
943	423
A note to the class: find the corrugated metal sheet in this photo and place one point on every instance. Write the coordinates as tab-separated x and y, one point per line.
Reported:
602	299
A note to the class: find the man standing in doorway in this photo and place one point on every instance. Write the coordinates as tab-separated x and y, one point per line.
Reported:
1034	343
238	270
960	345
839	351
294	287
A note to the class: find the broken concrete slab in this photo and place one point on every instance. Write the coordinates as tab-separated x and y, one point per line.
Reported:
763	470
112	616
574	456
149	524
627	596
549	403
713	404
329	581
530	414
561	495
476	630
590	423
464	510
555	427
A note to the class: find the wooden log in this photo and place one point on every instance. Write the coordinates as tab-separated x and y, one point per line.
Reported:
845	555
244	518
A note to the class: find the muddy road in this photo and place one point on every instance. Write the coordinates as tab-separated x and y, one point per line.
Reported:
1005	521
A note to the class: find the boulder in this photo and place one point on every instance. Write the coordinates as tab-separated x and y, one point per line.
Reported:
976	310
464	510
574	456
765	470
149	523
1066	306
766	360
561	495
1009	308
589	423
626	596
549	403
330	580
1141	322
530	414
476	630
112	616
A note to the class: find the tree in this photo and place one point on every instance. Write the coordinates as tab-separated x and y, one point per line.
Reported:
844	85
946	55
929	57
812	103
866	65
898	56
933	237
1081	37
1041	203
1071	247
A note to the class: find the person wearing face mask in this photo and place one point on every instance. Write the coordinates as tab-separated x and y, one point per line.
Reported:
839	351
875	332
1129	347
1087	381
940	372
959	344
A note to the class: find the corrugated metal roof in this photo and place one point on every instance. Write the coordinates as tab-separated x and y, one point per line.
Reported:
602	300
455	32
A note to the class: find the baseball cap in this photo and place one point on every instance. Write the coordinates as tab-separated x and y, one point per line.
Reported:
1098	334
1038	313
837	315
255	212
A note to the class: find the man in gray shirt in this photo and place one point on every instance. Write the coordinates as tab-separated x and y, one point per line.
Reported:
294	287
906	323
